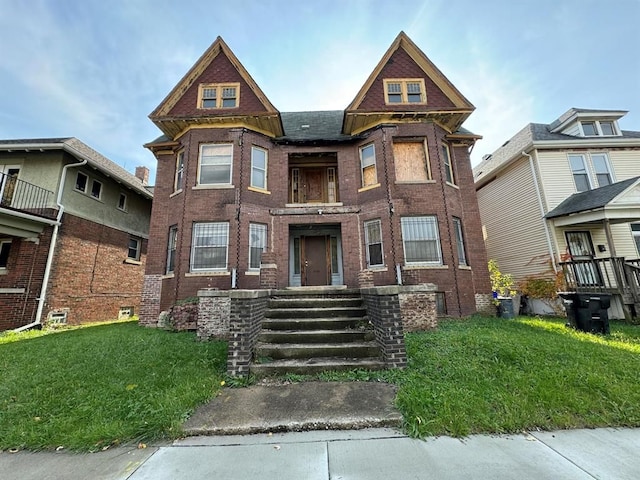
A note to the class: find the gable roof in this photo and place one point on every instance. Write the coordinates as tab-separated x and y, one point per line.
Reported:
80	150
541	135
594	199
451	119
171	127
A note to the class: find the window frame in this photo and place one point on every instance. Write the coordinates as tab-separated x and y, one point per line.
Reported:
607	165
122	208
460	244
172	243
178	178
635	234
230	163
428	219
368	243
219	98
194	247
137	248
5	242
583	157
255	148
95	182
86	182
425	159
363	167
597	128
262	230
447	163
404	93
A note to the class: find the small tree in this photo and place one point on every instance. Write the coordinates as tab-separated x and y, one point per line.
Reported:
501	283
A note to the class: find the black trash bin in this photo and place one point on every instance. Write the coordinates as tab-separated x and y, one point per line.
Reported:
569	301
591	312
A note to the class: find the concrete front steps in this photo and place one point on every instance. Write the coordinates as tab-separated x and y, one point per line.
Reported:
306	331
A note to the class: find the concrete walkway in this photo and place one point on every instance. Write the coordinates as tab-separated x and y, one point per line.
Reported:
369	454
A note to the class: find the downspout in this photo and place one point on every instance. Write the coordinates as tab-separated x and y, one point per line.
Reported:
542	212
52	247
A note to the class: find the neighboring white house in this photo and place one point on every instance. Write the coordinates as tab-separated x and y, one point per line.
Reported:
566	192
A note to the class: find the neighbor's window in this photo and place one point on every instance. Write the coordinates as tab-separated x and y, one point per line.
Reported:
219	95
373	239
96	189
601	167
462	257
368	165
215	164
209	246
171	249
134	248
259	168
421	240
580	175
81	182
179	177
257	244
411	162
5	248
448	164
399	91
635	231
122	202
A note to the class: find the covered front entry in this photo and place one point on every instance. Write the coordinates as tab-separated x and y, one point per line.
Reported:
315	255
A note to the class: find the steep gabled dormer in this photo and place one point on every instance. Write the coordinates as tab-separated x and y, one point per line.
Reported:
217	92
406	86
579	122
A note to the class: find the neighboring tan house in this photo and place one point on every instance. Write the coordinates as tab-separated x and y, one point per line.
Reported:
384	187
98	217
565	197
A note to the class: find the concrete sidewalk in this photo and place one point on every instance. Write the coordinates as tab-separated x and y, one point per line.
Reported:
369	454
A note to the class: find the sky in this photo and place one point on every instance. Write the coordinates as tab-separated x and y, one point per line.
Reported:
95	69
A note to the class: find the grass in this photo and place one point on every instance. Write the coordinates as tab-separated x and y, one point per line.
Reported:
487	375
89	388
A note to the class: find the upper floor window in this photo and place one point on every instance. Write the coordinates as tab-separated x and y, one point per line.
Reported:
421	240
134	248
171	249
373	239
411	162
368	165
96	189
448	165
81	182
178	181
601	167
259	168
580	174
219	95
122	202
214	166
5	248
405	90
209	246
257	244
597	128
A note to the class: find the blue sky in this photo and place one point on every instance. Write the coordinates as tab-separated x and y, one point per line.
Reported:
95	69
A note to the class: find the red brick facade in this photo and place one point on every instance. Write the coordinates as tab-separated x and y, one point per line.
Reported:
239	205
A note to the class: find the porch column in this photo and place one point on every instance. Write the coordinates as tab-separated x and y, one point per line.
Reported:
607	231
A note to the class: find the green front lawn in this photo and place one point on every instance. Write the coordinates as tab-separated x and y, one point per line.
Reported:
89	388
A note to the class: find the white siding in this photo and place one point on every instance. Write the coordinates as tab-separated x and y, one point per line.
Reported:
625	163
511	218
572	130
556	177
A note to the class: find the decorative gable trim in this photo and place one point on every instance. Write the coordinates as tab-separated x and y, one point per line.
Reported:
358	121
161	114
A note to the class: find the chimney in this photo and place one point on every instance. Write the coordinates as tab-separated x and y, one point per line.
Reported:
142	173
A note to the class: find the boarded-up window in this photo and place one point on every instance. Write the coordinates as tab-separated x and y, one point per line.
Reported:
411	162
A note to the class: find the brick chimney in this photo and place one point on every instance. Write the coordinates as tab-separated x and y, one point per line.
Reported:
142	173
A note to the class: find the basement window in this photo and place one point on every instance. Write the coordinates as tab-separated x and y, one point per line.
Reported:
57	317
125	312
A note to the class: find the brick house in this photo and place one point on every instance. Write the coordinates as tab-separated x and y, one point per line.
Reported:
73	234
383	188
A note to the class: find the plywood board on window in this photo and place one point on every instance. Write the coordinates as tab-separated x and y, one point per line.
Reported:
410	162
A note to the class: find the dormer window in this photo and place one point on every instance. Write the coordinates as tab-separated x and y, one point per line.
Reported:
219	95
403	91
598	128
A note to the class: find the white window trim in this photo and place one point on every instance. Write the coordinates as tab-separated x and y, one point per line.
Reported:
362	166
126	202
215	185
5	241
193	269
173	239
598	128
460	243
586	167
367	244
607	163
266	167
86	185
437	263
138	248
93	182
448	166
264	248
179	156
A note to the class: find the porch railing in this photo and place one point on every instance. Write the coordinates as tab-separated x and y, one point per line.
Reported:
604	275
16	194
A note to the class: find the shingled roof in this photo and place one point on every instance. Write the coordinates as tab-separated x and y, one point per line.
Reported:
313	126
590	199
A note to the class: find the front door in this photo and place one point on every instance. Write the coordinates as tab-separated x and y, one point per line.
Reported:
586	270
315	268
